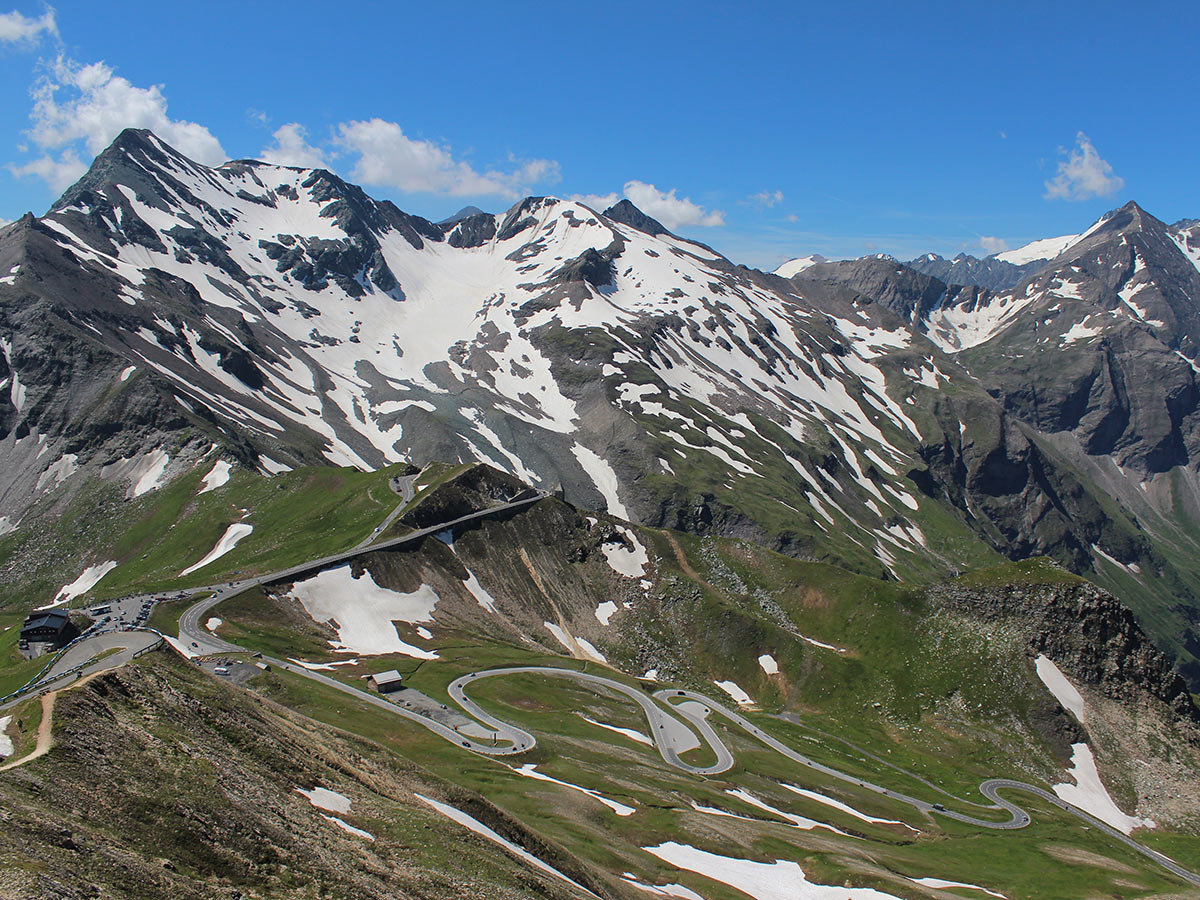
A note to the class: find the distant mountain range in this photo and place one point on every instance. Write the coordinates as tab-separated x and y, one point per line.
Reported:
901	420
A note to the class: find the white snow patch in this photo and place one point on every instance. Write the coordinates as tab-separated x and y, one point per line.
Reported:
1080	331
482	597
628	732
58	472
149	472
364	612
844	807
216	477
576	646
768	663
778	880
734	691
651	675
529	770
665	890
348	828
942	883
1046	248
1089	794
1064	692
624	561
230	539
213	623
6	525
603	476
479	828
6	744
605	611
85	582
800	822
798	265
127	371
323	667
271	467
330	801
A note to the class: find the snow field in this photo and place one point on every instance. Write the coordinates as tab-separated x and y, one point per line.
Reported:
1089	794
364	613
6	744
1057	684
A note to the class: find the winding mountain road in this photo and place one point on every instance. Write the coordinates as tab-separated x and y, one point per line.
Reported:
668	718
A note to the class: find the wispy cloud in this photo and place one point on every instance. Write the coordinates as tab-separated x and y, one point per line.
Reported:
991	245
766	198
81	108
1083	174
16	28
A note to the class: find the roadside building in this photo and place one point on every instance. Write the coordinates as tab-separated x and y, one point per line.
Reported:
45	631
386	682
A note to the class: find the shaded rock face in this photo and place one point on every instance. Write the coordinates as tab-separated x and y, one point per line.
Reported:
1085	631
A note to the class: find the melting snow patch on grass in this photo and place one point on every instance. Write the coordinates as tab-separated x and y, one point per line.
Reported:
1058	685
942	883
605	611
768	663
665	890
529	770
217	476
778	880
1090	795
473	824
330	801
798	821
734	691
844	807
364	613
213	623
348	828
628	732
6	744
148	472
233	534
85	582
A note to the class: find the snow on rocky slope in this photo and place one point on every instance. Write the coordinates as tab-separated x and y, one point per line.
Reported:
569	347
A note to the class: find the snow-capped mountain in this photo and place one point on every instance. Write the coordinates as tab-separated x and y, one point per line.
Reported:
859	412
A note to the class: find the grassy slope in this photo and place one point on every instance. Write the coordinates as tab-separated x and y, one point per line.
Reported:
295	516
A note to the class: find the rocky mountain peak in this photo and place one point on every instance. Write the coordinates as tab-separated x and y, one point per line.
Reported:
627	214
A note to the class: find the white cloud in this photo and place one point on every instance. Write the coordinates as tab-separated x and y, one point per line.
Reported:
598	202
674	212
1083	174
77	106
387	156
15	28
767	198
992	245
291	148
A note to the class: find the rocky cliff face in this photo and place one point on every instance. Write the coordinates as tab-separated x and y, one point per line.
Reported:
1086	631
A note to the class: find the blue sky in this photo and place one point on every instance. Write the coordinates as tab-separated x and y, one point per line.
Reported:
767	130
